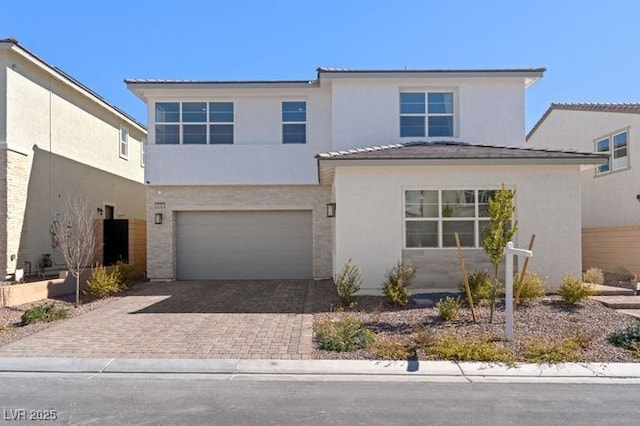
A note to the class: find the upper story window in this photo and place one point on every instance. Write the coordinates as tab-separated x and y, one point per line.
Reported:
124	142
432	217
616	146
426	114
194	123
142	145
294	122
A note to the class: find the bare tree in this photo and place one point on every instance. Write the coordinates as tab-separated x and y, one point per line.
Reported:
75	237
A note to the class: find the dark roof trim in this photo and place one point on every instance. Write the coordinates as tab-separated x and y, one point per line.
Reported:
626	108
55	70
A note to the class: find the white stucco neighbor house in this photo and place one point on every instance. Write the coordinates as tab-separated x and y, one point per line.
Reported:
610	192
289	179
58	138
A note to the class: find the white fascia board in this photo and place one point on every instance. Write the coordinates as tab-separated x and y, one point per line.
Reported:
463	162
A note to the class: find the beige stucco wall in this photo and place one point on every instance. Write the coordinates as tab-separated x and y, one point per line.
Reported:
370	220
607	200
161	238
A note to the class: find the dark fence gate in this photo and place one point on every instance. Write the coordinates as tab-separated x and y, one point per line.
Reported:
116	241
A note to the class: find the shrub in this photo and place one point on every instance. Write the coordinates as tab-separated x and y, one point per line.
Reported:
628	338
574	291
394	347
622	274
480	285
532	287
448	308
396	283
344	335
544	350
43	313
127	273
593	276
103	283
468	348
348	283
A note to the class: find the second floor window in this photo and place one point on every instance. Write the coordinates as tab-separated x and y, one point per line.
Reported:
294	122
429	114
194	123
124	142
614	145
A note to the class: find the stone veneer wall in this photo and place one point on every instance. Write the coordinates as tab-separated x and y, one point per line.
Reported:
161	238
17	180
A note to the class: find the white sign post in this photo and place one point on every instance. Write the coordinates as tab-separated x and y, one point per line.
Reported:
508	300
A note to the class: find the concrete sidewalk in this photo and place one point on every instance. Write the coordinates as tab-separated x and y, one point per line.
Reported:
329	370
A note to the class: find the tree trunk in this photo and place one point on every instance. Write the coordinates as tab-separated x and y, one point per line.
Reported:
77	290
494	294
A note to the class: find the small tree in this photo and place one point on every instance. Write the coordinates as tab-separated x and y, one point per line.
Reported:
499	232
75	237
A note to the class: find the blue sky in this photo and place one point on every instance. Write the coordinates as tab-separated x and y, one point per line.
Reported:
590	49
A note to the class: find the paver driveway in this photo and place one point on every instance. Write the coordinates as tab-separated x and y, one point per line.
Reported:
191	319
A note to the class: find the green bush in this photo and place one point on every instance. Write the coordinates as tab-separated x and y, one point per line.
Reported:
127	273
593	275
43	313
103	283
622	274
480	285
344	335
532	287
468	348
448	308
394	347
574	291
628	338
396	282
348	283
543	350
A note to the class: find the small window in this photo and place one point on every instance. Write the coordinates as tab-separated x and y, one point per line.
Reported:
615	146
142	146
124	142
426	114
294	122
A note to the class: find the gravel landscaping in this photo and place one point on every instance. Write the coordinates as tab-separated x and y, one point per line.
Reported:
590	323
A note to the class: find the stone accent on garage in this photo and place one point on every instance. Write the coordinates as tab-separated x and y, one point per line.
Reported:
161	242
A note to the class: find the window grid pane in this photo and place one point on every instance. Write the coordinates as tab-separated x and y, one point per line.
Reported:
221	112
221	133
194	134
167	134
194	112
168	112
294	133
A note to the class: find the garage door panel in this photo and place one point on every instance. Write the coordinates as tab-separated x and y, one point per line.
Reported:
244	245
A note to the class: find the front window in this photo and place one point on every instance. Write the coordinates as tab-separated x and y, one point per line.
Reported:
194	123
615	146
426	114
432	217
124	142
294	122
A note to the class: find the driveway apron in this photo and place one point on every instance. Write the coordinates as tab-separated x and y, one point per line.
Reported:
191	319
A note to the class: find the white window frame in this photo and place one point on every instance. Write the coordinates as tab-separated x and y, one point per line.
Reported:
142	148
426	114
207	123
440	219
123	144
306	120
611	152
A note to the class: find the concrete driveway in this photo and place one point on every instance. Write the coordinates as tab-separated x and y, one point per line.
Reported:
191	319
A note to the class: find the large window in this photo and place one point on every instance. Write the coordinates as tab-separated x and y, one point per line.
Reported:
432	217
426	114
294	122
615	146
194	123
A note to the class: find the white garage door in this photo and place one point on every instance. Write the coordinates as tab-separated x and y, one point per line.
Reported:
244	245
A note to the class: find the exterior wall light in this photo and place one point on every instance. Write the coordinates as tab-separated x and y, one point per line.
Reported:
100	211
158	219
331	210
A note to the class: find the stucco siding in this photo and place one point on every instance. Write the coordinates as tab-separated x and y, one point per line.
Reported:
171	199
369	219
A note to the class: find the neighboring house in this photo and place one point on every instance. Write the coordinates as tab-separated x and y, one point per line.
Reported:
289	179
57	139
610	192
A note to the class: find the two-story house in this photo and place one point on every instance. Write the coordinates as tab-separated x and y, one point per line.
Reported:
289	179
610	192
60	139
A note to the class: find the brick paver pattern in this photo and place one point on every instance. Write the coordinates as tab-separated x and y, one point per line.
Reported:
192	319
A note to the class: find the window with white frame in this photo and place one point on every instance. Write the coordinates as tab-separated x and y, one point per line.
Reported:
124	142
194	123
428	114
142	146
294	122
615	145
432	217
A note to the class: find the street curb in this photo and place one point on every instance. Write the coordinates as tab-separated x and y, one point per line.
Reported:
265	369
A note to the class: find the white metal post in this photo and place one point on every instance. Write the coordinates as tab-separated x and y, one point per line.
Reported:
508	299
